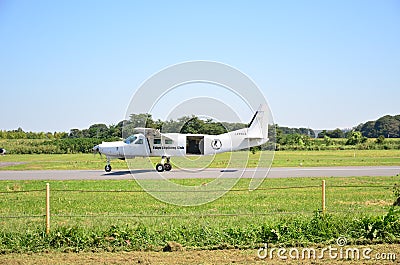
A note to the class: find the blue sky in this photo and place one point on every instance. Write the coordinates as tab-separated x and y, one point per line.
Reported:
320	64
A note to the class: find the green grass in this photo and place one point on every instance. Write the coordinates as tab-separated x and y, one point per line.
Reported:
115	215
236	159
270	198
85	210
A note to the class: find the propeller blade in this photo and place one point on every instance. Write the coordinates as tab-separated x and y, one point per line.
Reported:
96	150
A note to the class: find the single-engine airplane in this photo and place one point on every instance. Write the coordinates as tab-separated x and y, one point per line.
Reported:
148	142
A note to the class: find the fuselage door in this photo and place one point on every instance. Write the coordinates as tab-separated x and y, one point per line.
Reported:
194	145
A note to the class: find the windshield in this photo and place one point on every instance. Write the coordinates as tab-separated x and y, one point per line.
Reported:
130	139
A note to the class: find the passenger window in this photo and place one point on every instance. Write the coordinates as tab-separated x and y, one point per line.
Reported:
157	141
168	141
140	141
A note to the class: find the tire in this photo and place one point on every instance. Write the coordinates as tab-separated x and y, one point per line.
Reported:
160	167
107	168
167	166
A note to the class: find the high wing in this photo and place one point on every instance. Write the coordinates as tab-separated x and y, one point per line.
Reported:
148	132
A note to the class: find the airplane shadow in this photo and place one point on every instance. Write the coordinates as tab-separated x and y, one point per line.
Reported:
228	170
127	172
142	171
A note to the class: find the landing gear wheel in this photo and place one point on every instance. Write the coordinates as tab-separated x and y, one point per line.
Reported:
160	167
167	166
107	168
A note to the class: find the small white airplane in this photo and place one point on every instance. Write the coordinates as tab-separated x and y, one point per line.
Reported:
148	142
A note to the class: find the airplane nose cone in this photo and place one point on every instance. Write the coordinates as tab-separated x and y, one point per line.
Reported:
96	148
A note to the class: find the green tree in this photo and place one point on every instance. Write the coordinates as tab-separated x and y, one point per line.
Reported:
388	126
114	131
142	120
355	137
75	133
294	139
327	140
367	129
98	131
170	126
322	134
380	139
254	149
213	128
337	133
193	126
233	126
60	135
159	124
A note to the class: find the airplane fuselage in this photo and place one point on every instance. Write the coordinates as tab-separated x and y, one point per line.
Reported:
175	144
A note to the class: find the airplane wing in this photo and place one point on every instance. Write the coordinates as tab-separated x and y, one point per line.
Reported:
151	133
148	132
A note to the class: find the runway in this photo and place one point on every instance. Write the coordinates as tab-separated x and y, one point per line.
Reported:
210	173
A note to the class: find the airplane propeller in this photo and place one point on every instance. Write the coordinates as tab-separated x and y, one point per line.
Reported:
96	150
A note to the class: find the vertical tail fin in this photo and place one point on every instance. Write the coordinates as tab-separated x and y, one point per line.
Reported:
258	126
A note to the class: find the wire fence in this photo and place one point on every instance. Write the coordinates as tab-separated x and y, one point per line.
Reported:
315	193
216	190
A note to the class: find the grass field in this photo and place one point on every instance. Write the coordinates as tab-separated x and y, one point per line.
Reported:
113	215
238	159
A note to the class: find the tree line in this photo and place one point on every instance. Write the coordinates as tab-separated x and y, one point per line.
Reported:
187	124
386	126
285	138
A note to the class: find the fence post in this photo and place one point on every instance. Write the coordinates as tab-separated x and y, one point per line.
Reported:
323	196
47	208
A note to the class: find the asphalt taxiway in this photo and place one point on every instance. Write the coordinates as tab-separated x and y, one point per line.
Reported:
211	173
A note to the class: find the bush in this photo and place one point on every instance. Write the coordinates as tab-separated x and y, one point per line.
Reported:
320	228
54	146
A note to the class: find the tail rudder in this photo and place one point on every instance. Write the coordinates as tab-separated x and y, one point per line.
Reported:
258	126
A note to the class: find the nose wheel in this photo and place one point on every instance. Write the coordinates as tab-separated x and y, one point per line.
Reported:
164	165
108	167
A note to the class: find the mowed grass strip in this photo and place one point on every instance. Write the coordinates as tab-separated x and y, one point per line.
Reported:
236	159
101	203
117	216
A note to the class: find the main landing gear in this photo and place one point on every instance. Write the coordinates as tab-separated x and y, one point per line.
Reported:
108	167
160	167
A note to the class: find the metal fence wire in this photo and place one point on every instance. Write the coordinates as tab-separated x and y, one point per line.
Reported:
56	196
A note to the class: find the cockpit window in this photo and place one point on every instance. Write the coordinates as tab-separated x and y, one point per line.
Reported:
130	139
140	141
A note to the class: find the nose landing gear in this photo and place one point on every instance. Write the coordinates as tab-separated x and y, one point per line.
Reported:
160	167
108	167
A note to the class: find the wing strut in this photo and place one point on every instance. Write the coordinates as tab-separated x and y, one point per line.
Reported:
148	143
